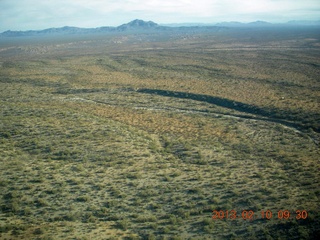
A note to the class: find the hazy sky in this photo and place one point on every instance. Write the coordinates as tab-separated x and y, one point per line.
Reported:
41	14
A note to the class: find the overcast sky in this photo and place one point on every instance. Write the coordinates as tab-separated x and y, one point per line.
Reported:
41	14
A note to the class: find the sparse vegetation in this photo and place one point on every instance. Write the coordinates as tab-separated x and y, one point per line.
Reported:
144	139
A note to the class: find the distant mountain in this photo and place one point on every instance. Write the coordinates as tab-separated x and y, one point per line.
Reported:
268	24
140	25
240	24
56	31
137	25
309	23
134	25
260	23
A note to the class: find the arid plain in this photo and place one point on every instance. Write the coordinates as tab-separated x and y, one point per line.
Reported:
143	135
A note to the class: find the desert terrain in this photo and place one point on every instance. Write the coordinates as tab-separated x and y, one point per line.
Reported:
150	135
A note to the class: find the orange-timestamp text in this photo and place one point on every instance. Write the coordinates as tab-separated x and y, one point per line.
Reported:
264	214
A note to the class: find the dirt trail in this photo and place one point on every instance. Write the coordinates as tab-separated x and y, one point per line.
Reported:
256	114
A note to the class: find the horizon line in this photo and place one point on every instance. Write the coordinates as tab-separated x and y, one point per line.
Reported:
194	24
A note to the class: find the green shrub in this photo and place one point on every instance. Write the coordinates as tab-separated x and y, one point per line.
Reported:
39	231
84	198
123	224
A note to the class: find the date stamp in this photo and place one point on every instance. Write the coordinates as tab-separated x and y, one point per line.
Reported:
264	214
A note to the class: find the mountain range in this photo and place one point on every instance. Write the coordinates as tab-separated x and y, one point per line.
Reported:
133	25
140	25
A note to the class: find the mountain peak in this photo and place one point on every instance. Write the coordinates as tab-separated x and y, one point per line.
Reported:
138	24
260	23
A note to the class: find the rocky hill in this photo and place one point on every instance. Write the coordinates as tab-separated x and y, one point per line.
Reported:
138	25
